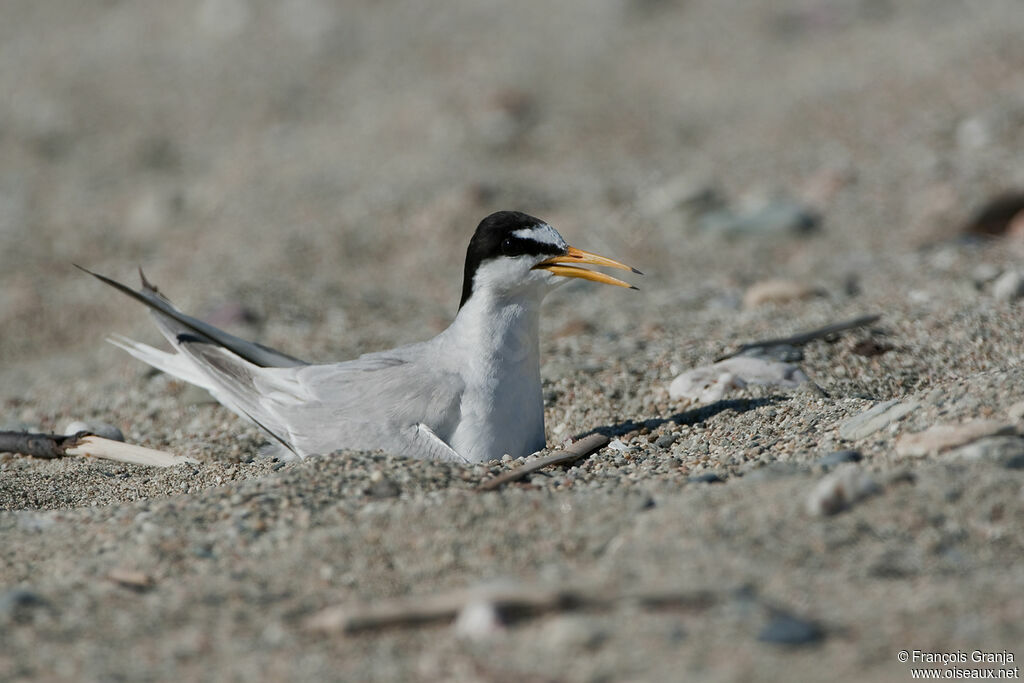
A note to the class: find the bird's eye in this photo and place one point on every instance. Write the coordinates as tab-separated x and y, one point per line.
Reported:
508	247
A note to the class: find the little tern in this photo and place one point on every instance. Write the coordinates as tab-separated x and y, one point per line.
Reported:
470	394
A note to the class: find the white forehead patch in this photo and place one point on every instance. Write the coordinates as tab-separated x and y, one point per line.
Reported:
542	233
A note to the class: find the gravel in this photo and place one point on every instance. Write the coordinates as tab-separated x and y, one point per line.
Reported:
311	178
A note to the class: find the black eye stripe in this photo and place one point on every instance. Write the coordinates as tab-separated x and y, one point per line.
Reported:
524	246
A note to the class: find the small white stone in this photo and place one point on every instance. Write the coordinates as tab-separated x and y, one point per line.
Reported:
573	632
840	489
478	620
73	428
947	436
875	418
984	273
101	429
1016	412
777	291
973	134
1009	286
711	383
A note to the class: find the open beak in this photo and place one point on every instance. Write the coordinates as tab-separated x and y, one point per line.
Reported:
567	265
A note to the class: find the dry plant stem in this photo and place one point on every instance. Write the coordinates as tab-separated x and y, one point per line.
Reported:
804	337
581	448
521	600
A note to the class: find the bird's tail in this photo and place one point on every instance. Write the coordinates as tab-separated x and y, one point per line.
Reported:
173	322
225	365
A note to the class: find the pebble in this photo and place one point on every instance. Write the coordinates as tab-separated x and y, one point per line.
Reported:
1016	462
778	291
665	441
973	134
840	489
875	418
383	487
574	632
131	578
101	429
478	620
1009	286
1016	412
984	273
706	478
839	457
786	629
17	605
711	383
948	436
999	449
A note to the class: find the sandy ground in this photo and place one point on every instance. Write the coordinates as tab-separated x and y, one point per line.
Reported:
308	173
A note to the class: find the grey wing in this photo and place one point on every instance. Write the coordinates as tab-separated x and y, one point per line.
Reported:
395	401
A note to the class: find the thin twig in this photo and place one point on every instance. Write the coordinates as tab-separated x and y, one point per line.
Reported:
804	337
573	452
512	600
83	443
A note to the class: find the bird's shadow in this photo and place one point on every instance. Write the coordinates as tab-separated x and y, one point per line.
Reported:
687	417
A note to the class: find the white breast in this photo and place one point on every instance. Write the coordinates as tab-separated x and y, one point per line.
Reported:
495	342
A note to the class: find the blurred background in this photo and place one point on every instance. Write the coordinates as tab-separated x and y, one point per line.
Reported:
310	171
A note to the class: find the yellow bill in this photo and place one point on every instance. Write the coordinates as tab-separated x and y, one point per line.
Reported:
567	265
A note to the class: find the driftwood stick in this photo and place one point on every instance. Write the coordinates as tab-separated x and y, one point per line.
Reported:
519	600
107	449
83	443
804	337
37	445
571	453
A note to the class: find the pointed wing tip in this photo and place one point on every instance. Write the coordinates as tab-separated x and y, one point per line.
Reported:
146	284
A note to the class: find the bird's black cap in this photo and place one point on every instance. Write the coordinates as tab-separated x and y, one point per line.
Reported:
495	237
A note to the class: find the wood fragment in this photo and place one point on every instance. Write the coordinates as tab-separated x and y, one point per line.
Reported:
804	337
131	578
57	446
517	600
571	453
99	447
37	445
